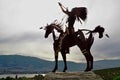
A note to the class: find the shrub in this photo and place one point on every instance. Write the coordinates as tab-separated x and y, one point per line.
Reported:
38	77
117	78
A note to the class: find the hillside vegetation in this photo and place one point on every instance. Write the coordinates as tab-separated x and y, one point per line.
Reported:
109	74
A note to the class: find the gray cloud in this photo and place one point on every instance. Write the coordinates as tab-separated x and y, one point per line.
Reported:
107	48
19	20
24	37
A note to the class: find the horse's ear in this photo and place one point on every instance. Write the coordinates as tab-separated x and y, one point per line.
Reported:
107	35
41	27
55	21
47	24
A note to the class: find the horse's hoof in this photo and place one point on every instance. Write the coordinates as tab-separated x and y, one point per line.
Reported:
65	70
87	70
54	70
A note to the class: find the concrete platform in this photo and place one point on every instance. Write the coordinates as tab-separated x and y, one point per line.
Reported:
72	76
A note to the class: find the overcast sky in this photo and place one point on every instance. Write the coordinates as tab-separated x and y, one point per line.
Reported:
20	21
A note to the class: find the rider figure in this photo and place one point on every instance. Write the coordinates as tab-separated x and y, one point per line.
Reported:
70	20
79	13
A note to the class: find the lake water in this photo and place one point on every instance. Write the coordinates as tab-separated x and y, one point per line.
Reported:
18	75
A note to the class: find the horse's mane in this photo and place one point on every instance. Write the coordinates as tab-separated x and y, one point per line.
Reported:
56	25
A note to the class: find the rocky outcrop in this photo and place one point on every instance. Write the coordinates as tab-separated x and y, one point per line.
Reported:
72	76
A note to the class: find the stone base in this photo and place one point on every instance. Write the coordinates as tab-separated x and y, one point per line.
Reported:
72	76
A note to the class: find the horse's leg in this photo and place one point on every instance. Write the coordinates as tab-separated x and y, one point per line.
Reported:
90	41
86	51
64	59
89	59
91	62
56	61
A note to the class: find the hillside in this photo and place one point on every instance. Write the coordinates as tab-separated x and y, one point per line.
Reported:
109	74
23	63
17	63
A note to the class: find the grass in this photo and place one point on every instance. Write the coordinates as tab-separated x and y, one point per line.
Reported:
109	74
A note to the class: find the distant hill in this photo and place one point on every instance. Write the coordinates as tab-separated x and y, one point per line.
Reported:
103	64
23	63
18	63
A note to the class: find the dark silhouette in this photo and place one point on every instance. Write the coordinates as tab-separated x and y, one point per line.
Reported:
65	41
79	13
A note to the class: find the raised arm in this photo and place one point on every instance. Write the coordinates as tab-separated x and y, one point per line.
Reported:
65	10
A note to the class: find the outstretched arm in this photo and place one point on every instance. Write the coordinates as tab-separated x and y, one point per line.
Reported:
65	10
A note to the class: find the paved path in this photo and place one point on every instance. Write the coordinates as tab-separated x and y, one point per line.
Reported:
72	76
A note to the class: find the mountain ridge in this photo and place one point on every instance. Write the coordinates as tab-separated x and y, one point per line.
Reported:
21	63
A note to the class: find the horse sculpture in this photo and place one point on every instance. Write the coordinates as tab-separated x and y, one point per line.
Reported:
65	41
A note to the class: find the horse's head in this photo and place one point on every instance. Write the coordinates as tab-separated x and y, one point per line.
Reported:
50	28
100	31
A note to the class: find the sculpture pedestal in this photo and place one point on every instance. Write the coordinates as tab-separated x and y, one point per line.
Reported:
72	76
